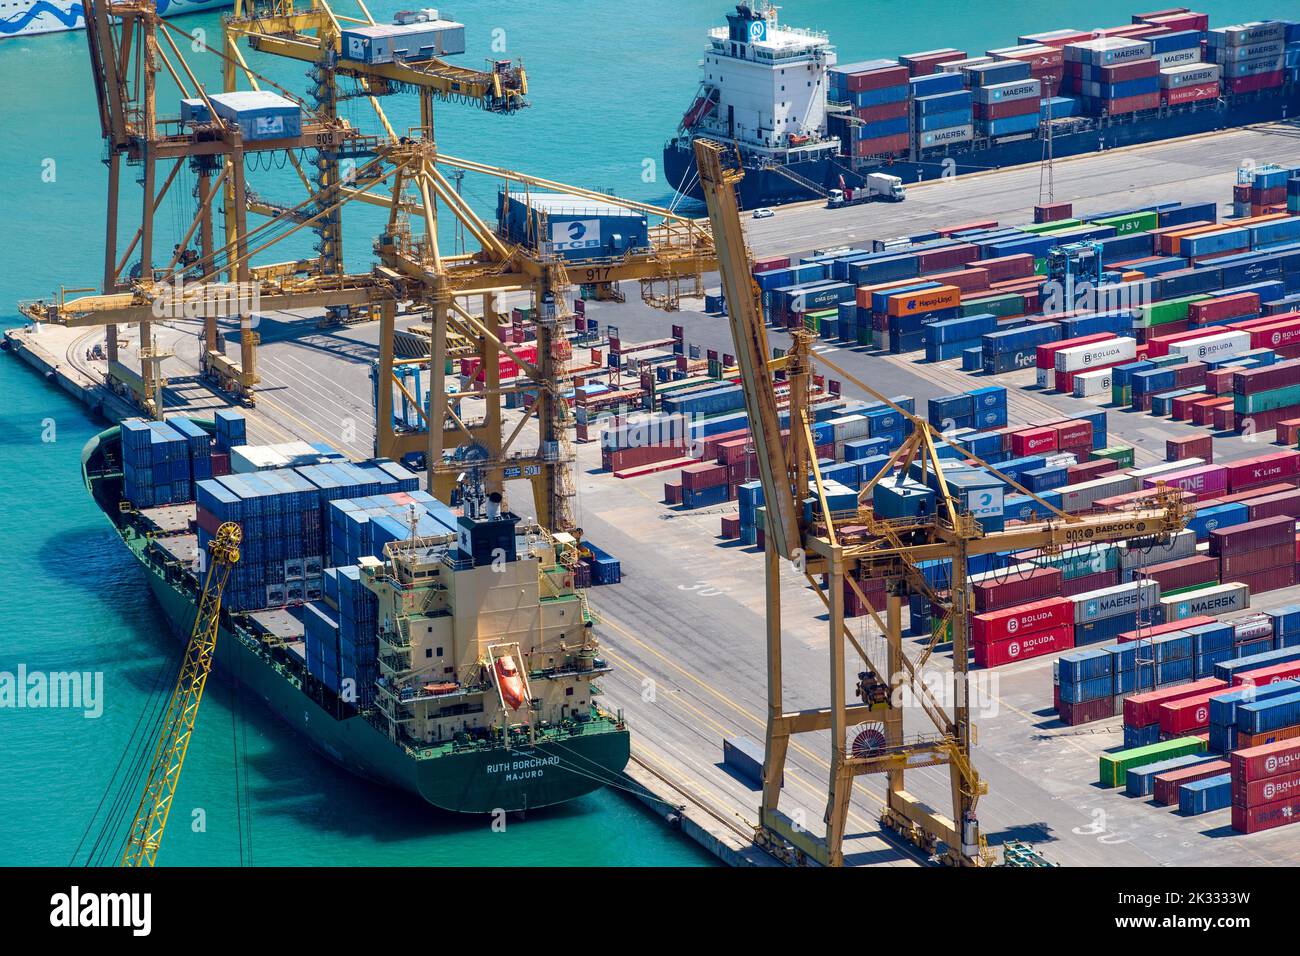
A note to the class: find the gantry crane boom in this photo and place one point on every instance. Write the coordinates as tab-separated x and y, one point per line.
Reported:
858	544
183	708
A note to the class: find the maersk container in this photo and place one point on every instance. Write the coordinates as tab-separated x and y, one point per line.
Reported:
259	114
946	137
1134	597
392	42
1213	602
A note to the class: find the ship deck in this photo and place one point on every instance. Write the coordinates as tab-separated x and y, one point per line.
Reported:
684	631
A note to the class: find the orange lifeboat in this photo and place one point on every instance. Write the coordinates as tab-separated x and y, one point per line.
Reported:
511	684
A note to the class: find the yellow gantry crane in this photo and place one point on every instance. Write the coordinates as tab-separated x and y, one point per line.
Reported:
458	301
183	708
857	545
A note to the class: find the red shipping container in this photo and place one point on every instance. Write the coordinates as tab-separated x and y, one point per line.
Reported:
1089	582
1002	110
1223	307
970	279
1288	432
1190	446
731	526
220	465
1262	421
1074	434
1252	535
1271	506
1005	268
948	257
1036	585
1275	335
1087	470
704	475
885	111
769	263
1053	212
1260	81
1283	786
1258	763
1132	104
1183	573
1273	579
1268	675
1086	712
1156	630
1190	94
1020	620
1257	559
1143	710
1199	480
1186	716
1033	441
1025	646
1167	783
1265	816
876	79
968	227
1205	413
1248	381
927	63
1263	468
672	492
881	145
1135	70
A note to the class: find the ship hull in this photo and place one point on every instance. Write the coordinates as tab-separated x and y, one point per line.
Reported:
471	781
763	187
59	16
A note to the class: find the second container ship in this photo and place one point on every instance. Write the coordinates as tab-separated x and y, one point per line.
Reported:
805	124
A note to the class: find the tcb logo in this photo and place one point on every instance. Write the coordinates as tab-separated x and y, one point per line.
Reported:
576	231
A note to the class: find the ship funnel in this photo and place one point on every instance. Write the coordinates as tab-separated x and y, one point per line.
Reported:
494	505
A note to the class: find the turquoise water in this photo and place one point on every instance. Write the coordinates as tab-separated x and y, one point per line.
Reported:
608	86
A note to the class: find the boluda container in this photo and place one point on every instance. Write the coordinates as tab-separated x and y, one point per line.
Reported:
1269	760
993	626
1036	644
1085	357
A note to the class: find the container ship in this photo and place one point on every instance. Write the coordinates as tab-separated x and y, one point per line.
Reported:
805	124
448	653
29	17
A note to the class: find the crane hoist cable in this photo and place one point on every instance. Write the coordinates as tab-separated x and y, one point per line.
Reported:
183	707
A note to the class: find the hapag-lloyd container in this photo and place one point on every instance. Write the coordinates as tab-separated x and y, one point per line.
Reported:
995	653
1000	625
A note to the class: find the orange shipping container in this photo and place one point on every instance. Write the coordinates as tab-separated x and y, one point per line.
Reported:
864	292
926	300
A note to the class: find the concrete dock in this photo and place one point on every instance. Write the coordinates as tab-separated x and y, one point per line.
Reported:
685	629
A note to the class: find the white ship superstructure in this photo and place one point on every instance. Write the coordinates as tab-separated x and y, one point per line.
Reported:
28	17
763	85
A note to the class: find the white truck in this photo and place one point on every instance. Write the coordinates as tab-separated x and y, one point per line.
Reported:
878	186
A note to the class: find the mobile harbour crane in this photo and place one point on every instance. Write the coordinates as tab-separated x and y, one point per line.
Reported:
854	545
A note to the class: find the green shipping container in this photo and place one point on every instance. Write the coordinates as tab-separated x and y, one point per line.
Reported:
1122	456
865	335
1162	313
1131	223
1115	767
1267	401
1193	587
1121	395
1001	306
812	321
1038	228
1040	266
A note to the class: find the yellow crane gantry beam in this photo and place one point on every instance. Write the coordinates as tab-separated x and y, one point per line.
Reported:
840	546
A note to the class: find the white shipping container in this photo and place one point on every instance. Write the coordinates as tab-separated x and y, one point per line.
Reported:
1107	352
1060	461
945	137
1113	601
1212	602
1162	468
1179	57
1176	77
1213	347
1080	497
1092	384
848	427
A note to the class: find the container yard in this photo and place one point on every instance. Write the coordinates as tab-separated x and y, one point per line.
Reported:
1021	465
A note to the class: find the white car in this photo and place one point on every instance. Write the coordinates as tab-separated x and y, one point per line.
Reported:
763	213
